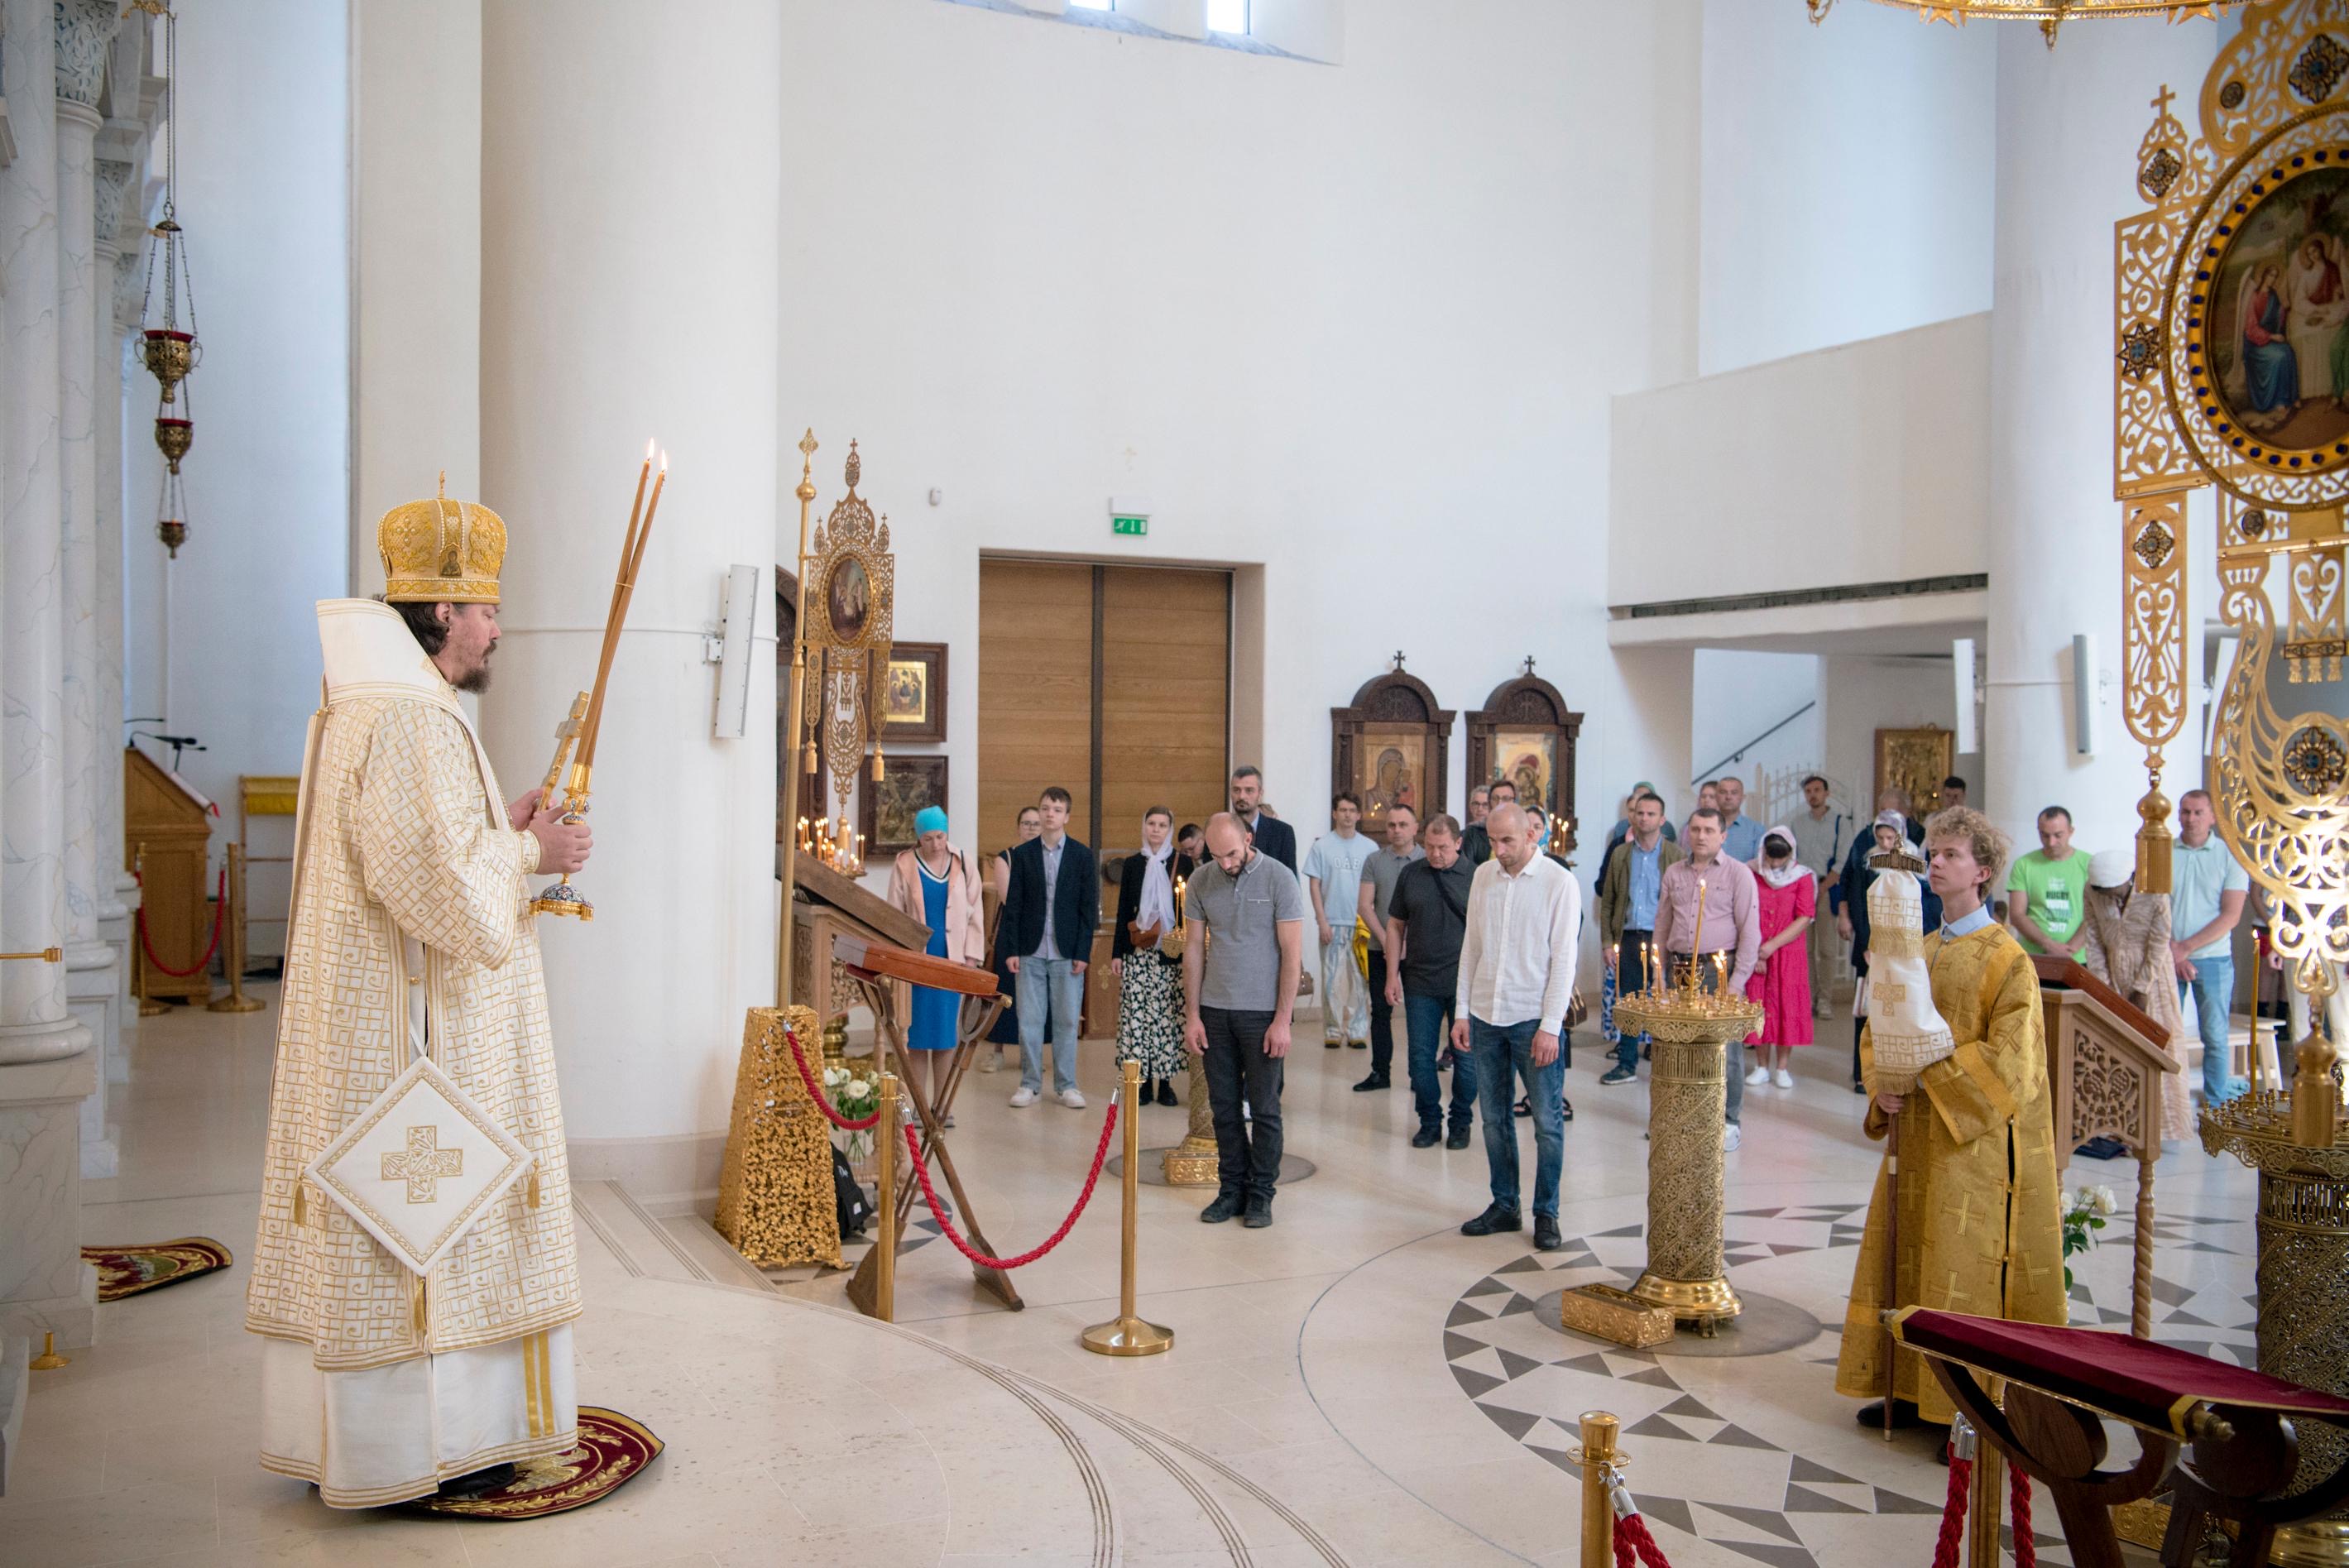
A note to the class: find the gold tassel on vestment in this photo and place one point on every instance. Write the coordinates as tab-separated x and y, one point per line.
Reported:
300	1208
531	1198
420	1306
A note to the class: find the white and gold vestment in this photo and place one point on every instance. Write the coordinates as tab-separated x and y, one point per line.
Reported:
410	933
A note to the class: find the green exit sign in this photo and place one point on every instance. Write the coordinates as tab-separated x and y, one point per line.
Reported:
1136	526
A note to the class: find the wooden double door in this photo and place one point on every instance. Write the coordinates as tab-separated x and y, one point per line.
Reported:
1114	683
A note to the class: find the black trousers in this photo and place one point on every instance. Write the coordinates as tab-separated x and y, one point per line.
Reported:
1247	1148
1381	1017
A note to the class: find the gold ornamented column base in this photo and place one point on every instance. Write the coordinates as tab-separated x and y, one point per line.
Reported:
1705	1303
775	1200
1189	1163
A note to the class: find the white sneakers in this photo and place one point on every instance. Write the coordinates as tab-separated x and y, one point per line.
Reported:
1783	1079
1026	1096
1730	1139
1759	1076
1072	1100
992	1062
1023	1098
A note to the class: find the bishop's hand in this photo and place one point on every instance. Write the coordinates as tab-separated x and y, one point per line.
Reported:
519	813
562	846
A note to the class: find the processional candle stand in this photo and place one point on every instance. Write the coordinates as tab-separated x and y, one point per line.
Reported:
1686	1279
1192	1162
2255	177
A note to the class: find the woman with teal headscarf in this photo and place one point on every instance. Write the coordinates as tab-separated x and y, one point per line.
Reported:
934	882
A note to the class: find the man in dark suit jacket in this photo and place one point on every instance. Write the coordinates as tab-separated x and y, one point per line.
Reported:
1049	910
1275	839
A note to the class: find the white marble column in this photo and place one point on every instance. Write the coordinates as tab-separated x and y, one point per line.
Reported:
85	28
117	891
2069	120
33	1021
657	147
46	1067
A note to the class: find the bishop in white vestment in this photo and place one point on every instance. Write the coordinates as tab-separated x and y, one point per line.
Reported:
415	1292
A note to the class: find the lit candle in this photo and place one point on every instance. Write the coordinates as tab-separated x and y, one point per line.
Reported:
1179	885
1721	968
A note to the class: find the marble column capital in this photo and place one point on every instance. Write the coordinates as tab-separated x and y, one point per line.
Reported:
129	290
84	31
113	180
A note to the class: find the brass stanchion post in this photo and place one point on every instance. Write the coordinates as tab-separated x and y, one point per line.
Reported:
1597	1459
885	1272
148	1007
234	918
49	1360
1128	1334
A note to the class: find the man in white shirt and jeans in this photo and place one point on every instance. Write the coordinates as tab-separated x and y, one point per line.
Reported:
1517	976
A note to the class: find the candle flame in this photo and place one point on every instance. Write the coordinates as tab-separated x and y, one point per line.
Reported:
664	467
649	449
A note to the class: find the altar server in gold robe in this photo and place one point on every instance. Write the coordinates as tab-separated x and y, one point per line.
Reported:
411	935
1979	1228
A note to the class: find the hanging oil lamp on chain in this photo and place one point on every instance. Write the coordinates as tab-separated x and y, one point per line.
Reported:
168	323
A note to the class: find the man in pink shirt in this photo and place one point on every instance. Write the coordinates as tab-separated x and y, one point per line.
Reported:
1731	925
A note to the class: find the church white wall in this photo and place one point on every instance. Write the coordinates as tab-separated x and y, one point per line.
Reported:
1864	464
1335	320
222	642
1847	177
1738	695
1862	693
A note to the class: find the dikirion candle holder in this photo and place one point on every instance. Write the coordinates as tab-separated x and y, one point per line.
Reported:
1687	1275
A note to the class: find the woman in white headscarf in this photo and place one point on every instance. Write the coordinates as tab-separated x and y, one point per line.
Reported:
1787	902
2129	949
1150	993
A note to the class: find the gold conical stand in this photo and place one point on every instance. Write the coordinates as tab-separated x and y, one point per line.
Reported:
49	1360
1128	1334
234	916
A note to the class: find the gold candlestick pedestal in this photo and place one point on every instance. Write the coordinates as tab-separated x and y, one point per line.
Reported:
1691	1029
1192	1162
2304	1239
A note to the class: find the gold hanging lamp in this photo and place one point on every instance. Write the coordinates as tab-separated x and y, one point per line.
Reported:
167	341
2051	15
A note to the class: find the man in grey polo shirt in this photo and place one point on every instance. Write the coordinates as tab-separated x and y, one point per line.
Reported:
1238	986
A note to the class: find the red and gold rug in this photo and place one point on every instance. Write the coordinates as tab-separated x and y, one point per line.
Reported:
611	1450
127	1271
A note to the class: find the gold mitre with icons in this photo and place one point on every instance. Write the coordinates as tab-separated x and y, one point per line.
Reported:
442	550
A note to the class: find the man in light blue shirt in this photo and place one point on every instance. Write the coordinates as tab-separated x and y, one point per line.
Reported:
1741	836
2206	888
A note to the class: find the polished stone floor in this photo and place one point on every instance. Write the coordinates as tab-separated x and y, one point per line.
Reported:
1358	1383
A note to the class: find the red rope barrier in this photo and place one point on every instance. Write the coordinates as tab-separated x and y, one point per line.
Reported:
930	1197
220	905
815	1091
1953	1514
1632	1534
2026	1554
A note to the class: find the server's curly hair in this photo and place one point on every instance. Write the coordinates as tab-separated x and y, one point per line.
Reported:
1992	847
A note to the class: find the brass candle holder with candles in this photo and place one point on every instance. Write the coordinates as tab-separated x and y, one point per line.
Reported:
1686	1278
563	898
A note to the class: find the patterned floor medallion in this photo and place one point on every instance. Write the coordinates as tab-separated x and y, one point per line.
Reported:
1532	1379
612	1450
128	1271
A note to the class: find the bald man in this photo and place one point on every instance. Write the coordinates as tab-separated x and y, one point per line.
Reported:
1237	990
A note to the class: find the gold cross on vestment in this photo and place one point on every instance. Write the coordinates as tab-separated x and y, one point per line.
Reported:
422	1163
1965	1213
2031	1273
1951	1295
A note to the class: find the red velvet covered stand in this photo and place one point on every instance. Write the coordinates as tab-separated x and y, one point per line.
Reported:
2240	1449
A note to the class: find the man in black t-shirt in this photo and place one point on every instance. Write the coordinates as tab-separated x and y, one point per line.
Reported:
1426	917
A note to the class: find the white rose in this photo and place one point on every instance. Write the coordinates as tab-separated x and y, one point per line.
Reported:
2068	1200
858	1088
2105	1202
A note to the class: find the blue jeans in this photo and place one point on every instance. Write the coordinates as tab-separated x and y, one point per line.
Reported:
1428	1020
1502	1055
2211	997
1630	976
1056	979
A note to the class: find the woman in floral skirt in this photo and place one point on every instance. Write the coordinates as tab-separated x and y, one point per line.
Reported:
1150	995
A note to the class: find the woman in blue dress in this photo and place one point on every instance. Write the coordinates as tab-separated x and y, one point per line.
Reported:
2271	369
935	883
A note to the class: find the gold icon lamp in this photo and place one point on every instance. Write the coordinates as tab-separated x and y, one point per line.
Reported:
1686	1275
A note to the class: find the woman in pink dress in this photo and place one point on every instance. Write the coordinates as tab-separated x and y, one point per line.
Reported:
1782	975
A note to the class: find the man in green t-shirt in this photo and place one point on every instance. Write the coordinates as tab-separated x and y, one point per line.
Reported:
2046	894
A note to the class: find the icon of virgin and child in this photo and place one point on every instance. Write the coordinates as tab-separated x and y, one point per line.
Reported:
2289	278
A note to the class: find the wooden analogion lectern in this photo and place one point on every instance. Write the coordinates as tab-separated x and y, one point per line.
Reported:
2106	1058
